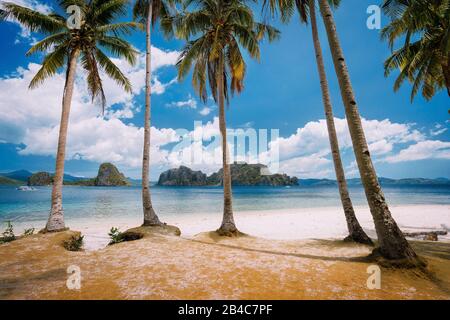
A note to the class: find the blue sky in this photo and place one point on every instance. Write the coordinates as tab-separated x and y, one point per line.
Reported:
281	92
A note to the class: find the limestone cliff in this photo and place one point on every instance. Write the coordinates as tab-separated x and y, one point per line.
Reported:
40	179
108	175
183	176
242	175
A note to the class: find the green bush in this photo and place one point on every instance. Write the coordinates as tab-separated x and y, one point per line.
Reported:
115	235
8	235
75	243
28	232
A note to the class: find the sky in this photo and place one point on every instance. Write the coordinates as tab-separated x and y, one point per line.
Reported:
281	94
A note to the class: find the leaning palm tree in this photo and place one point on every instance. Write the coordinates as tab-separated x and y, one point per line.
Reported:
65	46
424	58
222	29
149	12
307	8
392	243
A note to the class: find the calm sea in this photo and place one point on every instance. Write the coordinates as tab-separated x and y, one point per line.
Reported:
124	202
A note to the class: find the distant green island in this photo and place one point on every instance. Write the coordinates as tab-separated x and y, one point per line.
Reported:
108	176
242	174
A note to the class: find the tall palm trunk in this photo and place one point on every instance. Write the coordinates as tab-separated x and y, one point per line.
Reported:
356	233
392	243
150	217
228	227
56	219
446	71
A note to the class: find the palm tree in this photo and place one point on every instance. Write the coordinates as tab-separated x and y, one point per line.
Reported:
424	58
307	8
223	27
64	46
149	12
392	242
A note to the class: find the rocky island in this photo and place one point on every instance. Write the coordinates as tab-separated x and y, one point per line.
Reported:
183	176
40	179
242	174
108	176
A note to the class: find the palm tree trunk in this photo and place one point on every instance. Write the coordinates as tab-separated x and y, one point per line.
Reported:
356	232
150	217
446	71
228	227
56	219
392	242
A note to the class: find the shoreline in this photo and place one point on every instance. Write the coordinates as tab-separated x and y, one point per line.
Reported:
285	224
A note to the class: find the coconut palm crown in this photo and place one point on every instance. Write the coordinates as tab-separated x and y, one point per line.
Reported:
96	35
224	29
221	30
65	44
424	58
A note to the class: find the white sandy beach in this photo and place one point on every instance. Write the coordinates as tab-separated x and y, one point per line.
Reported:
286	224
289	255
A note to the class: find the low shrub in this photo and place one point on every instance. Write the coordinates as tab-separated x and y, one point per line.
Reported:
115	235
28	232
75	243
8	235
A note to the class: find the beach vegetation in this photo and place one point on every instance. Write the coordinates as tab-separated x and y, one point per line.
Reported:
392	243
306	10
424	57
74	243
28	232
65	46
115	235
216	32
8	235
150	12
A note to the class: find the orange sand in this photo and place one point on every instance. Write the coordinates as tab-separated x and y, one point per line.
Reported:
161	266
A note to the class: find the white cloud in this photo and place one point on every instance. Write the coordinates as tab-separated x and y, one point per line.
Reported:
310	166
31	4
205	111
31	117
313	137
380	147
189	103
429	149
437	130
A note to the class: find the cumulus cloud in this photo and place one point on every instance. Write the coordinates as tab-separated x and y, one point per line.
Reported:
313	137
31	4
205	111
437	130
31	117
189	103
429	149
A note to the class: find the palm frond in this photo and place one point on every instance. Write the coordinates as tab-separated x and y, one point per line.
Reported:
31	19
50	66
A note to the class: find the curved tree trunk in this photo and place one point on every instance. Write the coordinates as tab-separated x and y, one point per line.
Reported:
446	71
150	217
228	227
356	232
56	219
392	243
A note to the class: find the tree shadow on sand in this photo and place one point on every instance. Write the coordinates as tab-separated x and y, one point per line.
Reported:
431	250
330	243
25	284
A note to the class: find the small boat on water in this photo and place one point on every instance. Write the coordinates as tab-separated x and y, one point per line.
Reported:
26	188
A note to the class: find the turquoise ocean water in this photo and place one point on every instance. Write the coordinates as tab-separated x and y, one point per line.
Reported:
124	202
